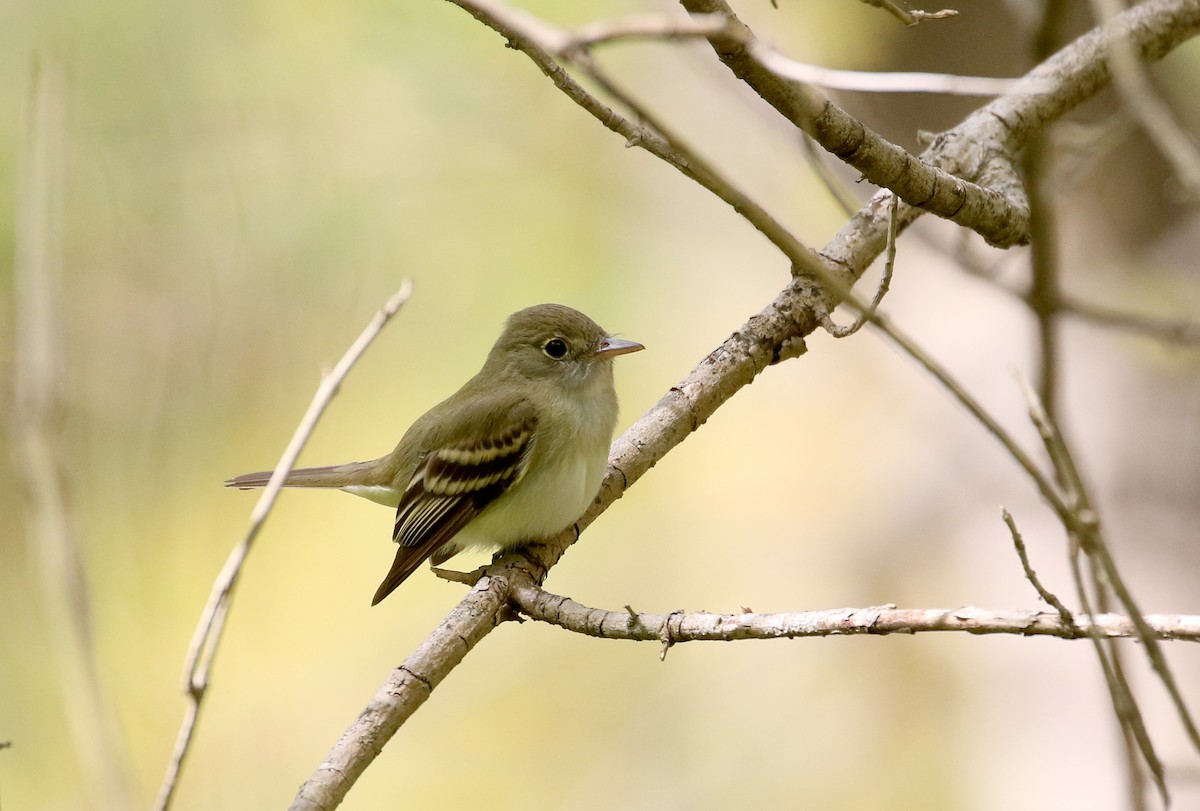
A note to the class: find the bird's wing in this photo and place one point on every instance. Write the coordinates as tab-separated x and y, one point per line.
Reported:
452	484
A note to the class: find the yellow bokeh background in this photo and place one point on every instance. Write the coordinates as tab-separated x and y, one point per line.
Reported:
244	184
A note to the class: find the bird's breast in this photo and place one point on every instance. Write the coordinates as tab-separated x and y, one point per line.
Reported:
549	498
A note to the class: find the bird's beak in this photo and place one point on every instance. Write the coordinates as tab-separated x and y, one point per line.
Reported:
611	347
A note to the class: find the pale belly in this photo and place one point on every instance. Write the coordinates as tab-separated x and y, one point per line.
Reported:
539	506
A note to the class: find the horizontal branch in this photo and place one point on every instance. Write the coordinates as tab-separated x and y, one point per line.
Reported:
718	27
673	628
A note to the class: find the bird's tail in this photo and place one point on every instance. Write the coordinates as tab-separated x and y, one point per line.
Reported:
348	475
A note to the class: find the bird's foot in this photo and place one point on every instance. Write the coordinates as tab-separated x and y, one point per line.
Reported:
466	578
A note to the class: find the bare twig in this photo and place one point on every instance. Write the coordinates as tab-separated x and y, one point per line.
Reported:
1045	301
1163	329
541	41
911	17
976	187
1048	597
640	26
1044	289
39	453
702	626
207	637
1139	97
990	204
1085	535
865	81
1091	540
822	165
885	283
1129	716
716	26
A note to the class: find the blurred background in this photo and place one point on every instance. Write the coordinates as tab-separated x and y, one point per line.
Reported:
220	195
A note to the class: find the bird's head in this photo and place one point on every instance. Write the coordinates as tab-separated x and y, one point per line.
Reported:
553	342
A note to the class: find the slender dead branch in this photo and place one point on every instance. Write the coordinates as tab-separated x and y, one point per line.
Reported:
974	184
1048	597
1163	329
716	26
543	606
911	17
865	81
1086	536
207	638
1139	97
1044	290
885	283
542	43
52	535
997	211
1093	543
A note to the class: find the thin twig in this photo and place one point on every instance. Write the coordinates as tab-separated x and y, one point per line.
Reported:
1138	95
1163	329
207	637
1044	289
893	81
677	627
1129	715
822	165
656	27
541	42
885	283
1085	535
1048	597
1045	301
911	17
1093	543
40	456
716	26
802	256
989	201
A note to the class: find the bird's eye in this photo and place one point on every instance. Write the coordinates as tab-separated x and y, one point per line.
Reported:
555	348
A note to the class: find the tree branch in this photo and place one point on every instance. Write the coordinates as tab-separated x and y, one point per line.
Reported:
974	185
207	637
773	333
703	626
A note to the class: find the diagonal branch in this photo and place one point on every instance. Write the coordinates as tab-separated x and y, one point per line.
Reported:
1139	97
207	636
998	212
974	185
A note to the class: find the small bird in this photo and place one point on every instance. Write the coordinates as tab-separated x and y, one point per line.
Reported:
515	455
